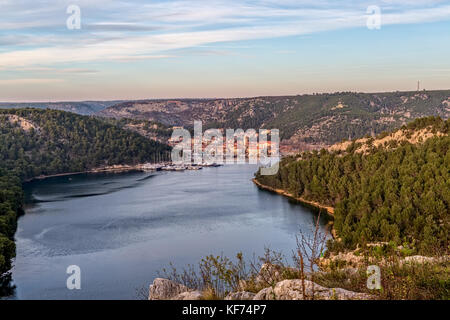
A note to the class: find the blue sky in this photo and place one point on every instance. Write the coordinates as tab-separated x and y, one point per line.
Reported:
198	48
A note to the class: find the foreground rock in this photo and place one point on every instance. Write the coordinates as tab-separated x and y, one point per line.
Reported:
243	295
293	290
190	295
164	289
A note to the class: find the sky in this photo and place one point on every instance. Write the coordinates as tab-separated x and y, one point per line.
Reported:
219	48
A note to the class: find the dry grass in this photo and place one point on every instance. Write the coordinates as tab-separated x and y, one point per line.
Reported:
364	144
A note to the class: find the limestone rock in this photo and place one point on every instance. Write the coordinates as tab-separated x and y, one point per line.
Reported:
292	290
420	259
164	289
190	295
342	294
350	259
264	294
242	295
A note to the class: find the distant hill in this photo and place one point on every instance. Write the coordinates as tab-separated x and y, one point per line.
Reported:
149	129
306	121
35	142
83	108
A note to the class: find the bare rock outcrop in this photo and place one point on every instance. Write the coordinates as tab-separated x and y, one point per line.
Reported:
293	290
241	296
270	278
164	289
353	261
265	294
189	295
424	260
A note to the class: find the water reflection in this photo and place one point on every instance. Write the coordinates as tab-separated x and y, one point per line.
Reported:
122	229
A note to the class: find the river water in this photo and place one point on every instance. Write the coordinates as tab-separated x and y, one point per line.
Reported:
121	229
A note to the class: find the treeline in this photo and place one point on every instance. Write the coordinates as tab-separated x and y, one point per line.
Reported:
10	205
36	142
400	195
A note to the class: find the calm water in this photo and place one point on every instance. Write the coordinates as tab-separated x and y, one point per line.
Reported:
122	228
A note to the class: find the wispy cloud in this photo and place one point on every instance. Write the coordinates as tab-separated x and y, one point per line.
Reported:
137	29
28	81
122	27
54	70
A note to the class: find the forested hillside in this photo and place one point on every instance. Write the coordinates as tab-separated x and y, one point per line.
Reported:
315	121
149	129
83	107
37	142
396	192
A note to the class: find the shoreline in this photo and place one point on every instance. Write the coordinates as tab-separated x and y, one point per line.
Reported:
143	167
115	169
329	210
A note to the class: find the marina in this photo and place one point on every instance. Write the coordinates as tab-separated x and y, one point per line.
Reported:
173	167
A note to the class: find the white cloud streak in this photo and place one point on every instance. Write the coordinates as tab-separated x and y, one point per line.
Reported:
136	30
28	81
